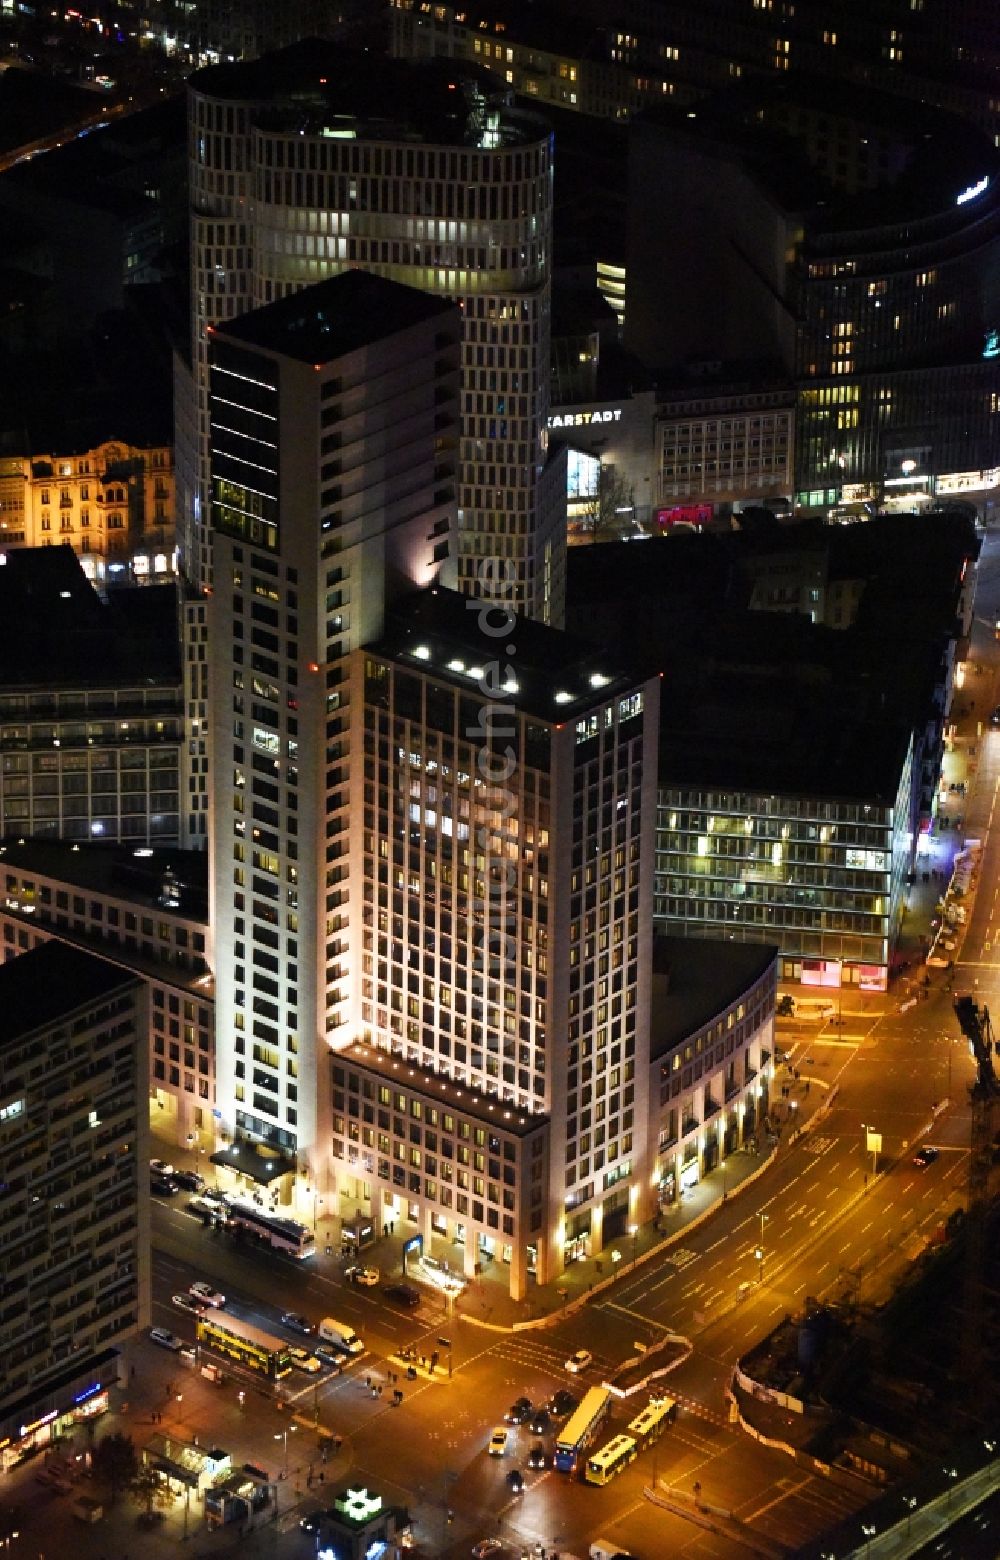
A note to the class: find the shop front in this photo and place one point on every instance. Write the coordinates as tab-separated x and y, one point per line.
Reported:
47	1418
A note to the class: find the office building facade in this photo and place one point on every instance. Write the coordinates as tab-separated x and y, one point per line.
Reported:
90	705
823	877
74	1239
334	448
311	162
146	912
504	865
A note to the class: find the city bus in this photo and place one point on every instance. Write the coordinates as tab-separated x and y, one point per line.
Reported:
272	1229
245	1344
578	1431
648	1426
611	1460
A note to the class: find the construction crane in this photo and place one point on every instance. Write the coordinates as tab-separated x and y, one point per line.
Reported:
983	1096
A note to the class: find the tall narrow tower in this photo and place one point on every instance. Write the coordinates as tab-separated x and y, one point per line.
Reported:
312	161
333	441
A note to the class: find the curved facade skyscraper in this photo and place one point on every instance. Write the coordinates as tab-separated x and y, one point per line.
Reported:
313	161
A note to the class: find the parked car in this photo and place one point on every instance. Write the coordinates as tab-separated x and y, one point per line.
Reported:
190	1180
366	1276
538	1457
206	1294
166	1340
303	1360
498	1441
296	1322
402	1294
518	1412
163	1186
157	1167
579	1361
187	1303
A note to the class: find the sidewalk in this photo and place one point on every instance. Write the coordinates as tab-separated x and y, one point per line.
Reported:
485	1300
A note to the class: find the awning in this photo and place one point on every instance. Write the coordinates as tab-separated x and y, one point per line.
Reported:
260	1161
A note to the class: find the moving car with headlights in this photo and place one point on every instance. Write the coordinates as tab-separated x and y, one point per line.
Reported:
518	1412
579	1361
296	1322
206	1294
303	1360
187	1303
925	1156
366	1276
498	1441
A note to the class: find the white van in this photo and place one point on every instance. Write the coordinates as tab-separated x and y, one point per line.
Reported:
813	1010
340	1334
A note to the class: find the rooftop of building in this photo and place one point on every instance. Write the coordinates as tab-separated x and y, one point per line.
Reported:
134	873
460	1097
56	632
695	980
44	985
541	671
948	157
322	88
334	317
557	28
769	701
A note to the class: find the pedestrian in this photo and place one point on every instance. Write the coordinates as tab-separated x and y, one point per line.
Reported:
392	1227
132	1372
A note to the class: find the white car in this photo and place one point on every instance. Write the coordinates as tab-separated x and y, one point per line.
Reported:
188	1303
206	1294
367	1277
303	1360
166	1340
157	1167
579	1361
498	1441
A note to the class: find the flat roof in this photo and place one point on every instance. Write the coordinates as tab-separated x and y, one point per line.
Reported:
770	702
550	675
339	315
319	87
695	979
56	630
459	1097
128	872
48	982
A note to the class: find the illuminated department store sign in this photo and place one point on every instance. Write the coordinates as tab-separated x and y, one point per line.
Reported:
585	419
972	191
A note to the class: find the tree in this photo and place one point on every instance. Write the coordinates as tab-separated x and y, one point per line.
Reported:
610	513
149	1490
115	1463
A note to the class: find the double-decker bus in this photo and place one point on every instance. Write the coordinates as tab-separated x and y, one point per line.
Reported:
271	1229
245	1344
648	1426
611	1460
578	1431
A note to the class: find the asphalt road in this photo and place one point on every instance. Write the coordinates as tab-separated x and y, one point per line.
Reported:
826	1222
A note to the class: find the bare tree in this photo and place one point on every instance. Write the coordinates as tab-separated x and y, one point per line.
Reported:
610	513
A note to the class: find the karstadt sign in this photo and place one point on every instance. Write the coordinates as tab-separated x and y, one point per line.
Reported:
585	419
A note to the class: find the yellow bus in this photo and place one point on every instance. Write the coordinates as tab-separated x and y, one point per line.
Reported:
245	1344
648	1426
610	1460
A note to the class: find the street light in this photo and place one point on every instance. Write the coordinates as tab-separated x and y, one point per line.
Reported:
910	1502
759	1252
873	1142
633	1230
282	1435
869	1530
952	1475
